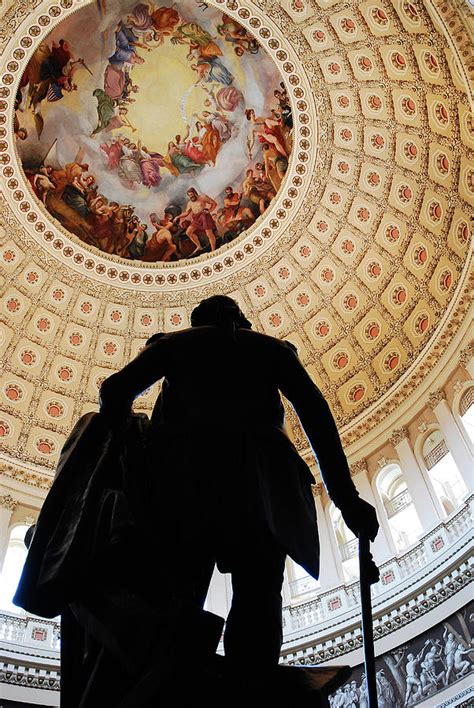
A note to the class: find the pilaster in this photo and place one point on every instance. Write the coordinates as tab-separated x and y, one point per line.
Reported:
423	496
7	506
452	435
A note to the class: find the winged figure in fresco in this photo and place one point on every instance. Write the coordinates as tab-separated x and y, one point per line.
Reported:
50	75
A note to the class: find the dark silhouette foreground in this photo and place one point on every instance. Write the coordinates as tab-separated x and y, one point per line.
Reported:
141	512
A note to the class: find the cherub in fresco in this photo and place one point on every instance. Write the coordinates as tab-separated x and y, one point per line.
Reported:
266	130
234	33
199	208
49	75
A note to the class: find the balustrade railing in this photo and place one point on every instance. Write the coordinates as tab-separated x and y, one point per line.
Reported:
392	573
398	503
33	633
349	550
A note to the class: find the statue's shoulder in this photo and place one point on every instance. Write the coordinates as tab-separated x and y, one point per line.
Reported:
266	341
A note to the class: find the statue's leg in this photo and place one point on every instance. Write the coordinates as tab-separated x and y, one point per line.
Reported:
257	577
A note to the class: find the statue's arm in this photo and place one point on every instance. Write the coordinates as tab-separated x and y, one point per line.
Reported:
118	392
319	425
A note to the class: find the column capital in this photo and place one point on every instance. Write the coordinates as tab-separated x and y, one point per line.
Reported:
7	502
466	355
358	467
398	435
436	397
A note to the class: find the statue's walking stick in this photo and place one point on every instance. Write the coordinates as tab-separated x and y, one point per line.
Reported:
369	574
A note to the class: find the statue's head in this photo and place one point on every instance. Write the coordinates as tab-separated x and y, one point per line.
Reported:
219	311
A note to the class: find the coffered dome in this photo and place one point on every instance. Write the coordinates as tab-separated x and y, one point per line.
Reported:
359	254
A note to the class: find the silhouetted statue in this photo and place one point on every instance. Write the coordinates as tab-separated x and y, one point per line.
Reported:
213	479
239	493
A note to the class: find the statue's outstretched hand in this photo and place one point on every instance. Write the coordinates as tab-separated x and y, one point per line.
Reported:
360	516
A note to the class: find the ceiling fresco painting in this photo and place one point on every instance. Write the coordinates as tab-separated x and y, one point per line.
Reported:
162	134
350	237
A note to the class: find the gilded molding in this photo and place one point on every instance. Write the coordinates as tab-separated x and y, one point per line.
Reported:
7	502
436	397
398	435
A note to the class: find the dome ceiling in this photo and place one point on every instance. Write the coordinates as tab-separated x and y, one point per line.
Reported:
360	259
121	130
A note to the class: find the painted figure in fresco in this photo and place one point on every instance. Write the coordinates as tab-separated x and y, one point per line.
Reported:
49	75
179	163
160	246
266	130
275	165
150	163
130	171
284	106
137	238
233	210
199	208
114	152
110	116
160	21
211	70
237	35
42	182
126	42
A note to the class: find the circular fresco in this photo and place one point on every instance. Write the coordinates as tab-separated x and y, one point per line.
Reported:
153	133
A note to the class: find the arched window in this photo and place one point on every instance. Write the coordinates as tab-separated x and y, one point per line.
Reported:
12	567
347	544
444	474
298	579
403	520
466	411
